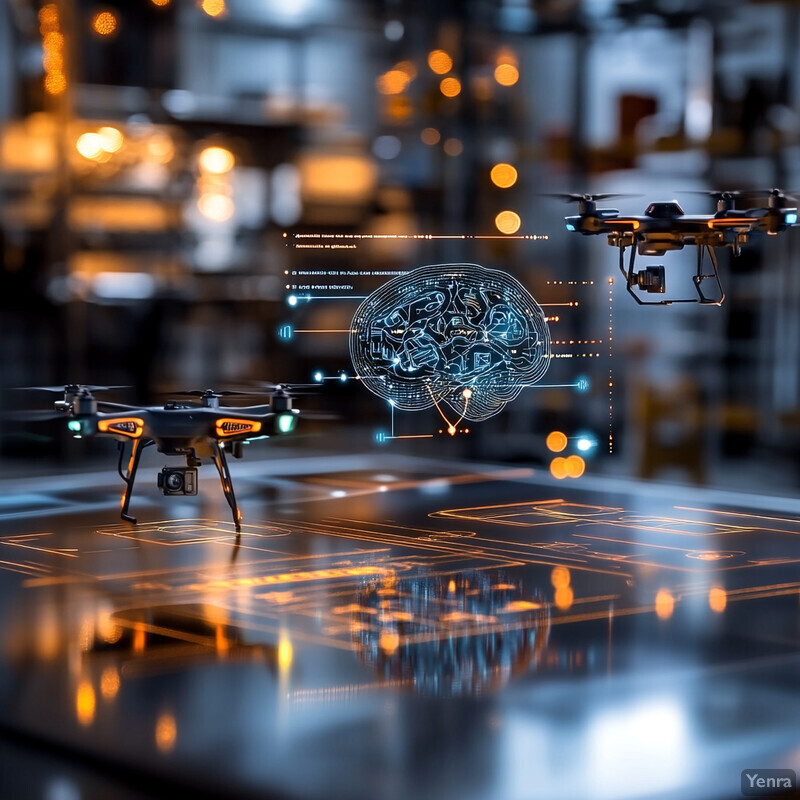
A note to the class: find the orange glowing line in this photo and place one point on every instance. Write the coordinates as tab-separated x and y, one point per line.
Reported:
713	223
105	426
617	220
240	426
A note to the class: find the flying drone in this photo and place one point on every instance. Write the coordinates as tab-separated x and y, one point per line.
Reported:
665	227
193	429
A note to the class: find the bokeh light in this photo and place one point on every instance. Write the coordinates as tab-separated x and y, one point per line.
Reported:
453	147
506	74
665	604
440	62
214	8
717	599
216	207
556	441
85	703
558	468
430	136
503	175
104	23
90	145
218	160
395	81
507	222
55	83
450	87
576	466
166	732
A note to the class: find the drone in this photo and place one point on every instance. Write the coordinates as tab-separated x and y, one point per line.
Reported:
193	429
664	227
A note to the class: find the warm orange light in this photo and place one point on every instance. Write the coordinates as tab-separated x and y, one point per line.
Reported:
453	147
450	87
506	74
440	62
52	59
389	640
104	23
556	441
85	703
55	83
665	603
451	586
236	427
109	683
216	207
90	145
558	468
576	466
161	148
285	654
218	160
507	222
111	138
564	597
560	577
53	41
395	81
506	56
503	175
138	638
122	426
407	67
430	136
717	599
467	393
214	8
166	732
48	16
160	2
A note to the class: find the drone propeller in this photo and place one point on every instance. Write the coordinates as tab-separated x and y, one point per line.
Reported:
70	387
568	197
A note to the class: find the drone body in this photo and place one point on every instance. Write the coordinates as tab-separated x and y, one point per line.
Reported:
664	227
193	430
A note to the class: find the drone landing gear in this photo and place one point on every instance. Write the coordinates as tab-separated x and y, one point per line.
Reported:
652	279
133	465
218	456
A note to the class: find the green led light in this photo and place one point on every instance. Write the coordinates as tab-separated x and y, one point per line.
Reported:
74	425
286	423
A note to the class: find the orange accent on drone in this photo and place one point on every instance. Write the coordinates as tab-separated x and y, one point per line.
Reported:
236	427
122	426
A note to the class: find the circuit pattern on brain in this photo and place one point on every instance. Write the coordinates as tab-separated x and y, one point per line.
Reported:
461	334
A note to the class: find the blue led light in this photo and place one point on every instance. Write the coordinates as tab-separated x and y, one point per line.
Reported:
570	226
74	425
582	384
318	377
791	218
286	423
292	300
285	332
381	437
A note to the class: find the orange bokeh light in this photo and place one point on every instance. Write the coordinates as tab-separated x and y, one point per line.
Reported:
556	441
665	604
560	577
558	468
453	147
576	466
104	23
564	597
55	83
450	87
507	222
440	61
394	81
214	8
506	74
717	599
430	136
503	175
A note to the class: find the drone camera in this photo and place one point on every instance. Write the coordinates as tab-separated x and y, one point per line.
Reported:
178	480
652	280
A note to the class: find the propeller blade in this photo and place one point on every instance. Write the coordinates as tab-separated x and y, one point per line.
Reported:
569	197
70	386
318	415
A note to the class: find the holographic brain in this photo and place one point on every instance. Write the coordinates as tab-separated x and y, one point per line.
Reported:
461	334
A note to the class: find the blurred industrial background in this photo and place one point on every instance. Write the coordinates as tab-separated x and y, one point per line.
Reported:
153	153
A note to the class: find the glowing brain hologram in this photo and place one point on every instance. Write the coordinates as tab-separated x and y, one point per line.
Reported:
461	334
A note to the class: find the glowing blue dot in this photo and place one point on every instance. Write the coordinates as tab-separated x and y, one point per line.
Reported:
585	444
292	300
791	218
285	332
570	226
381	437
318	377
342	376
582	384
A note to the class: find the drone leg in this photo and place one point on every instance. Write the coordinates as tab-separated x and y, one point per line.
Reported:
700	276
133	465
218	454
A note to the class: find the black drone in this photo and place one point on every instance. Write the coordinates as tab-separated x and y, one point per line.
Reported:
665	227
193	429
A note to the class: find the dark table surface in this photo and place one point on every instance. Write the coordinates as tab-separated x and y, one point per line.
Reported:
396	627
